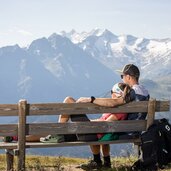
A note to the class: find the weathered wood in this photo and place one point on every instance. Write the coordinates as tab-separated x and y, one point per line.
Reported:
151	112
89	108
10	145
82	108
79	143
65	144
58	108
162	106
9	160
8	129
85	127
8	110
23	110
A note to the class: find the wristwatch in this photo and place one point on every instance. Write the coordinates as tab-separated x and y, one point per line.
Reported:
92	99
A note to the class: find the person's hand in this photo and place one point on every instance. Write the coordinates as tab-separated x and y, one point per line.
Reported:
84	100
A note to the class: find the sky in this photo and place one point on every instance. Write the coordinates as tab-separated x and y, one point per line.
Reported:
22	21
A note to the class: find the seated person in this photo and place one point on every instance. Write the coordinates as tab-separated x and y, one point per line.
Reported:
121	93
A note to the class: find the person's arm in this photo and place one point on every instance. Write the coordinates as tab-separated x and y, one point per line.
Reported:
108	102
63	118
112	118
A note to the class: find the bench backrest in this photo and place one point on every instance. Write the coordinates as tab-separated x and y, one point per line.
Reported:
22	110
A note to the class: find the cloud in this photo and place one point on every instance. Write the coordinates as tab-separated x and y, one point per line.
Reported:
15	35
17	30
25	33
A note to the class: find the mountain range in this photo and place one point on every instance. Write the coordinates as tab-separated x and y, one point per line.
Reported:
81	64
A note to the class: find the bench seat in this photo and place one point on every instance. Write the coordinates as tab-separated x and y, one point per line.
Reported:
13	145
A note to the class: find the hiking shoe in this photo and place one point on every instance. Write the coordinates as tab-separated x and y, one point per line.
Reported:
107	165
52	139
91	165
10	138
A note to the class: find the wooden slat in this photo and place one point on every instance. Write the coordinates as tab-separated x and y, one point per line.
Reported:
58	108
162	106
79	143
8	145
8	110
82	108
89	108
65	144
85	127
8	129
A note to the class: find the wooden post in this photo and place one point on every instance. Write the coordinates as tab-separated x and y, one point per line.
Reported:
22	107
9	159
151	112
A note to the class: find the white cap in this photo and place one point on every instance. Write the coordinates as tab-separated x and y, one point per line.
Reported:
116	89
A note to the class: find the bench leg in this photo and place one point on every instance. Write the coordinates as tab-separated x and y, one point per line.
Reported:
138	147
139	150
9	159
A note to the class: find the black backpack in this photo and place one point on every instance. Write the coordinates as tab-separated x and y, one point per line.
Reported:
155	147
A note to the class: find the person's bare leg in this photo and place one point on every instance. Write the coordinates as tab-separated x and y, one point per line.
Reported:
96	153
63	117
105	149
33	138
95	149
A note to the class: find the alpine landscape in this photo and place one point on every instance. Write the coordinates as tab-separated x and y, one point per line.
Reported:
81	64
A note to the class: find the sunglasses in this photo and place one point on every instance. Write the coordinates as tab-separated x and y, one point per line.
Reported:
122	76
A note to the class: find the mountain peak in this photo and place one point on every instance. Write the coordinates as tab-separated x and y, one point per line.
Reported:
72	31
99	32
11	48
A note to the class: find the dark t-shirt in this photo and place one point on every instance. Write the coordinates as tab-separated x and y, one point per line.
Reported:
141	94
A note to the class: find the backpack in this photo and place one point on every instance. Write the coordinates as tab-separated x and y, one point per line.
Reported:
155	147
139	115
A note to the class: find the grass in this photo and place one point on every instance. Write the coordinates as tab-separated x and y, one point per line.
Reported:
49	163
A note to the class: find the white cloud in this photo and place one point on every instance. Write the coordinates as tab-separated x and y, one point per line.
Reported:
25	33
17	30
16	35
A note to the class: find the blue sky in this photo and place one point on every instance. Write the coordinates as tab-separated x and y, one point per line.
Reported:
22	21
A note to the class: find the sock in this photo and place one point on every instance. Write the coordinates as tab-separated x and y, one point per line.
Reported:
14	138
10	138
97	158
107	160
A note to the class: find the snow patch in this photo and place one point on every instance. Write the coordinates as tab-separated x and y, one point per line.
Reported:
54	66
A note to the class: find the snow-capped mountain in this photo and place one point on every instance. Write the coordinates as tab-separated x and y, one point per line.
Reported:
49	70
153	56
79	64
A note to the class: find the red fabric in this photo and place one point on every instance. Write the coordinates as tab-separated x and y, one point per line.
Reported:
120	116
15	138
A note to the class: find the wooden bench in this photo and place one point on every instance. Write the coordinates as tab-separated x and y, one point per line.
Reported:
22	128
